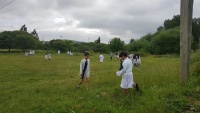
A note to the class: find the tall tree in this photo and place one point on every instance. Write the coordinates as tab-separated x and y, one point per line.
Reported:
7	40
116	45
131	41
196	33
24	41
98	40
166	41
172	23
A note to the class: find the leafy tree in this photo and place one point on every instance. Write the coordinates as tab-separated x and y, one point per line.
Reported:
69	45
62	45
18	39
102	48
139	45
196	33
160	28
98	40
147	37
26	41
58	45
174	22
131	41
116	45
7	40
167	41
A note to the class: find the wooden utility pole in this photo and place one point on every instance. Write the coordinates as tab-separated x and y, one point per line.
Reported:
185	38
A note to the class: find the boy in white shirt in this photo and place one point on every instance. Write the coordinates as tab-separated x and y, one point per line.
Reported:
85	69
127	75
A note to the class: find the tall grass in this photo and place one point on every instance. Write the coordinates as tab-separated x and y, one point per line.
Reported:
33	85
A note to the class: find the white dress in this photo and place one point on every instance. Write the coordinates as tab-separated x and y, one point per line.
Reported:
127	75
131	57
46	57
101	57
87	71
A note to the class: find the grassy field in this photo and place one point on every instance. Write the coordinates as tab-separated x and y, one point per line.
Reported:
33	85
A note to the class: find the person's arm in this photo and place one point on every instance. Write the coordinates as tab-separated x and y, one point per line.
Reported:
81	67
125	66
89	69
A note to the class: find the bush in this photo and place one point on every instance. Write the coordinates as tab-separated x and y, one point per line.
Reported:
195	64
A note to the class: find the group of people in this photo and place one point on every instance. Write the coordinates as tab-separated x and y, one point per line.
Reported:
125	71
31	52
69	53
135	58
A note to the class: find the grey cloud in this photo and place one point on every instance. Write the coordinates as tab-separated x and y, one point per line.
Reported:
126	19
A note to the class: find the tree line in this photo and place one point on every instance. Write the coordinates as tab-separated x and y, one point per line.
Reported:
166	40
19	40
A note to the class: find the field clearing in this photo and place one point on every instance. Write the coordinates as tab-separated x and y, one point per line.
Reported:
33	85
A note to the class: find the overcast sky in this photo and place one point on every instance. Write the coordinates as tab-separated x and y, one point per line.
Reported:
88	19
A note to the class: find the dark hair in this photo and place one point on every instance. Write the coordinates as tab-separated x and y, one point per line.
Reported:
86	53
123	53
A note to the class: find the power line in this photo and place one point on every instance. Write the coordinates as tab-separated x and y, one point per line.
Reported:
7	4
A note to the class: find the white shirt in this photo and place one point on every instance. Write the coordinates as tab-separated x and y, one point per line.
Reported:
127	67
101	57
82	64
131	56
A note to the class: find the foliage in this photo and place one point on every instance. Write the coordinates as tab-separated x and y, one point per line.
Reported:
102	48
95	47
172	23
7	40
131	41
167	41
62	45
18	39
24	42
175	22
196	33
139	45
195	63
116	45
98	40
160	28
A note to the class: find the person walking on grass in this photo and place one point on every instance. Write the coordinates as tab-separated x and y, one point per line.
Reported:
111	55
101	58
85	69
127	75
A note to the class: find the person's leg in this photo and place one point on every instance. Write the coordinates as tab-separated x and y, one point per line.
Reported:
126	91
80	82
136	86
88	83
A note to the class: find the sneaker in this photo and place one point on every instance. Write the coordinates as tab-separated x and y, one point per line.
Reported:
137	87
78	86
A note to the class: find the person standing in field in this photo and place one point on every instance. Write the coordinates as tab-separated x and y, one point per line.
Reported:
85	69
111	55
101	57
46	57
117	55
127	74
58	52
26	54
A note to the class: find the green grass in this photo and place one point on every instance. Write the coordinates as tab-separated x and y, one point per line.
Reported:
33	85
